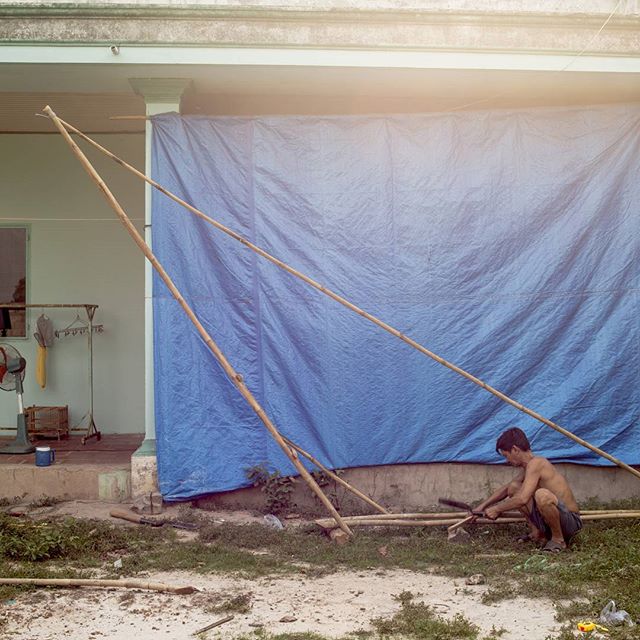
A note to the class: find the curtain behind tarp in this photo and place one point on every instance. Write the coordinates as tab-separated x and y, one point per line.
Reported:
505	241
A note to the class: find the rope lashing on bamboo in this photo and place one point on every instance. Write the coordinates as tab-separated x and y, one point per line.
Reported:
343	301
233	375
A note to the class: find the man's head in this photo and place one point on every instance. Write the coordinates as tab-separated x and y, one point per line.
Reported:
511	444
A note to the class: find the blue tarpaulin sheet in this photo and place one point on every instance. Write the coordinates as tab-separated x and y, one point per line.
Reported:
506	242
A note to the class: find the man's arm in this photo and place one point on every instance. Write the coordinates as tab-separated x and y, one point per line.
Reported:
522	497
498	496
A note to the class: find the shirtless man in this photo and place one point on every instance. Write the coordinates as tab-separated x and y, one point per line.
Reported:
540	492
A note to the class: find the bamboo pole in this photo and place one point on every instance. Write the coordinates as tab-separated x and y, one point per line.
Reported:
381	521
450	515
439	515
77	582
336	477
343	301
233	375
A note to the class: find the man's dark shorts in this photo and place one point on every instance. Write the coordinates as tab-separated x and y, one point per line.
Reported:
570	522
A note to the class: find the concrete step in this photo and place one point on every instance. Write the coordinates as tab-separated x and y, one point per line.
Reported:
98	470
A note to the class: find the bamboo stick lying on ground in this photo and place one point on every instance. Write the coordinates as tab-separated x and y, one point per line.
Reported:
328	524
120	584
343	301
217	623
382	521
231	373
440	515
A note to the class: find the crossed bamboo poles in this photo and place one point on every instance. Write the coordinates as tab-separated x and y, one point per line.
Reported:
288	447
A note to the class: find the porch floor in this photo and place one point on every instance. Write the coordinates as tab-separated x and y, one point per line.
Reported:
97	470
112	448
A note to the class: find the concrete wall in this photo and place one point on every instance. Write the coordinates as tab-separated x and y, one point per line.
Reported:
418	487
80	253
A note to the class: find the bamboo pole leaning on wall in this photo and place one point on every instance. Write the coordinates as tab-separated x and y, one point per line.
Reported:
233	375
343	301
336	478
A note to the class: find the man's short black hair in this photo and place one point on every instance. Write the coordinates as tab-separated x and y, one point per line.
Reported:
513	437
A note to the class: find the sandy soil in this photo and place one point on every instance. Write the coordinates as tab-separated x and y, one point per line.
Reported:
331	605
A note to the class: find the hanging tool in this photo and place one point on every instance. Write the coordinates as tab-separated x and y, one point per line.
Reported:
134	517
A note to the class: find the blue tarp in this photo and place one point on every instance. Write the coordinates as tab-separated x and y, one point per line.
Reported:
504	241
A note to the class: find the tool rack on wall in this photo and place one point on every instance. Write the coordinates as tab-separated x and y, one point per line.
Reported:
90	429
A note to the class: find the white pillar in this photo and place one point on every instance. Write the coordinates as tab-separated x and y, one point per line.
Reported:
161	95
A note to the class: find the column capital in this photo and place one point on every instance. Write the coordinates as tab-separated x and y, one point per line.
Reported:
160	90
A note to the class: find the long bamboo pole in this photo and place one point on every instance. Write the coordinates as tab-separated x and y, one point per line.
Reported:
78	582
233	375
381	521
439	515
343	301
450	515
336	478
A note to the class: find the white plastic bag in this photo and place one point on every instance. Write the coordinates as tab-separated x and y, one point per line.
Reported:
612	617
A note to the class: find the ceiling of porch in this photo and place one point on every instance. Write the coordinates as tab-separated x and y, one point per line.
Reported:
89	96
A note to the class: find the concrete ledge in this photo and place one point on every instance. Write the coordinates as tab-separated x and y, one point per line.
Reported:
66	482
418	486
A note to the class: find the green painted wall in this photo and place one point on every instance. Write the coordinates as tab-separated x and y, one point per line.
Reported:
88	259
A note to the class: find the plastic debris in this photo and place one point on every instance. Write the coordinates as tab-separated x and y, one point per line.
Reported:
588	627
272	521
614	617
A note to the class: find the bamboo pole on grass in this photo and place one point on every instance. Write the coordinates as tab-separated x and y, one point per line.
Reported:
336	478
382	521
343	301
233	375
78	582
439	515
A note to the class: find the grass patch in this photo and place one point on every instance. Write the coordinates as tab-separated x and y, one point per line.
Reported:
417	620
603	563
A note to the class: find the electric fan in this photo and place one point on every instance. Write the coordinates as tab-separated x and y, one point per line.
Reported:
12	366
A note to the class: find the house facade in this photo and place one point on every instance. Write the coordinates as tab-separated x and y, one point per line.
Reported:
105	67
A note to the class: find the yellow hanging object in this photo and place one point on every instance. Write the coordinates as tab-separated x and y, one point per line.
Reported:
41	367
590	626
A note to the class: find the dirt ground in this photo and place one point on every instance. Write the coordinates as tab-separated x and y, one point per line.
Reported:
332	605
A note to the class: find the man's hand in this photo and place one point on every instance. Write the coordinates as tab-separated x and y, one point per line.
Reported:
492	513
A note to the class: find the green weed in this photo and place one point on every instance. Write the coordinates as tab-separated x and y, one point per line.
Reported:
277	489
417	620
44	501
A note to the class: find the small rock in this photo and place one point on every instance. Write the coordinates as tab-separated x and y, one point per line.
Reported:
287	619
476	578
256	624
383	551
